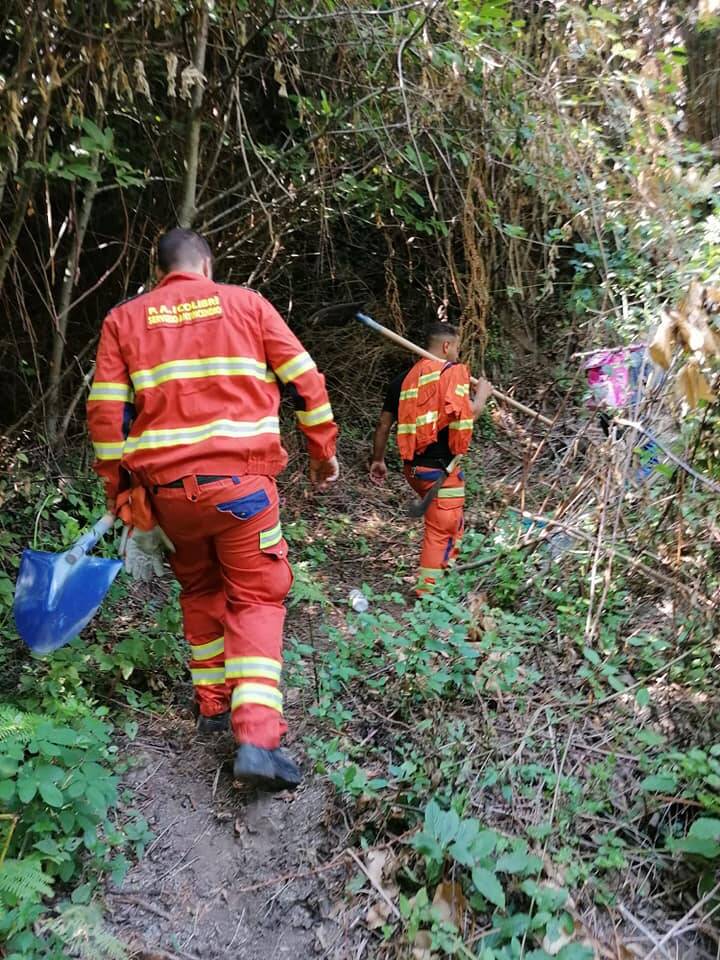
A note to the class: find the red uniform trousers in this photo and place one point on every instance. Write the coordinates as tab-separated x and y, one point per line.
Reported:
231	561
444	521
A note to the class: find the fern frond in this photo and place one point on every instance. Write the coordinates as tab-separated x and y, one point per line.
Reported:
18	724
24	879
81	929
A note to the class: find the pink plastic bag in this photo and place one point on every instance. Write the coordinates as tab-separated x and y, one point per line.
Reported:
613	377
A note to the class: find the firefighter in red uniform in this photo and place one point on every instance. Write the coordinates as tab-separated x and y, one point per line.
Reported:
435	415
183	415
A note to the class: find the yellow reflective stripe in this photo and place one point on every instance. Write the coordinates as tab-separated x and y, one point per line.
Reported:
429	573
109	451
206	676
259	693
429	378
316	416
461	425
408	394
237	667
449	492
429	417
206	651
199	368
104	390
463	389
268	538
154	439
295	368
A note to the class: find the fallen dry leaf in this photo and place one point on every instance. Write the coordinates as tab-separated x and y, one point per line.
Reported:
375	864
377	915
421	946
553	947
450	902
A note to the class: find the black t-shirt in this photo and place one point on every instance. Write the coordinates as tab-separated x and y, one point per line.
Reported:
435	454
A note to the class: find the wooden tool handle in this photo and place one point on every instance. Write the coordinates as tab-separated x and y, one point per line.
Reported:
422	352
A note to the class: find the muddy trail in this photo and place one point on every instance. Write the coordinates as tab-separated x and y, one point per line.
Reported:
243	874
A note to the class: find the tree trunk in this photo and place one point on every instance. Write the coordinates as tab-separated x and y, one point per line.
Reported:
59	340
188	210
702	75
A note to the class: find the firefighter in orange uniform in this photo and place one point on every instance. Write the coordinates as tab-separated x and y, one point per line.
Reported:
435	414
183	415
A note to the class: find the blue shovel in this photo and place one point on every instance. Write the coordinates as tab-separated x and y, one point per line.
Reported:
57	594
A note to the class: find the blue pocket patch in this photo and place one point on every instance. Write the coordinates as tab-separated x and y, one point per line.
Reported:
246	507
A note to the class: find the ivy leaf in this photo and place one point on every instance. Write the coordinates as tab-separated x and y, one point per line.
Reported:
488	885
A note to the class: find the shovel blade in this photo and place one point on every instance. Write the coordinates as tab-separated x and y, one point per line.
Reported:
55	600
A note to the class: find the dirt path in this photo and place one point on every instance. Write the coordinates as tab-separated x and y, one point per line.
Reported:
229	873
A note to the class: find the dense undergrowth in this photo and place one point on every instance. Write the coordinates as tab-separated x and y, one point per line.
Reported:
520	789
521	782
66	823
531	756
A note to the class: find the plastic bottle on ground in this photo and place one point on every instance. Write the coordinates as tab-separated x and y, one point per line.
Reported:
358	601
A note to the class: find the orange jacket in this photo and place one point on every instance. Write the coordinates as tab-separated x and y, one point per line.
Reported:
186	383
435	395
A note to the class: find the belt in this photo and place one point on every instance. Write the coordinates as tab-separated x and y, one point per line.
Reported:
177	484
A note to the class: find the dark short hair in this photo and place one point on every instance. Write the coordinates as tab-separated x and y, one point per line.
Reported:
440	331
178	248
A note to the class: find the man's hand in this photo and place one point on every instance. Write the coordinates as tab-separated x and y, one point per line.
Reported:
483	391
323	473
142	552
378	472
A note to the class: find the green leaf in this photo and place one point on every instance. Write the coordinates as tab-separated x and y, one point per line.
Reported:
488	885
82	894
659	783
642	697
50	794
650	738
519	861
421	898
131	729
83	171
8	767
695	846
575	951
26	787
705	828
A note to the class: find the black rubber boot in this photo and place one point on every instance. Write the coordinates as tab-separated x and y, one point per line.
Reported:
217	724
266	769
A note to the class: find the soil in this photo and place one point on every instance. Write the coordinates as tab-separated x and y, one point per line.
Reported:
230	873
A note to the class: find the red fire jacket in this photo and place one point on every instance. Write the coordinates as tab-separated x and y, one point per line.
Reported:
186	383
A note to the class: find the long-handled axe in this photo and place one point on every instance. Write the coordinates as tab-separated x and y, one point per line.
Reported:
340	313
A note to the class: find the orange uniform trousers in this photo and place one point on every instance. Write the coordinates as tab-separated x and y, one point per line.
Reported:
231	561
444	521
